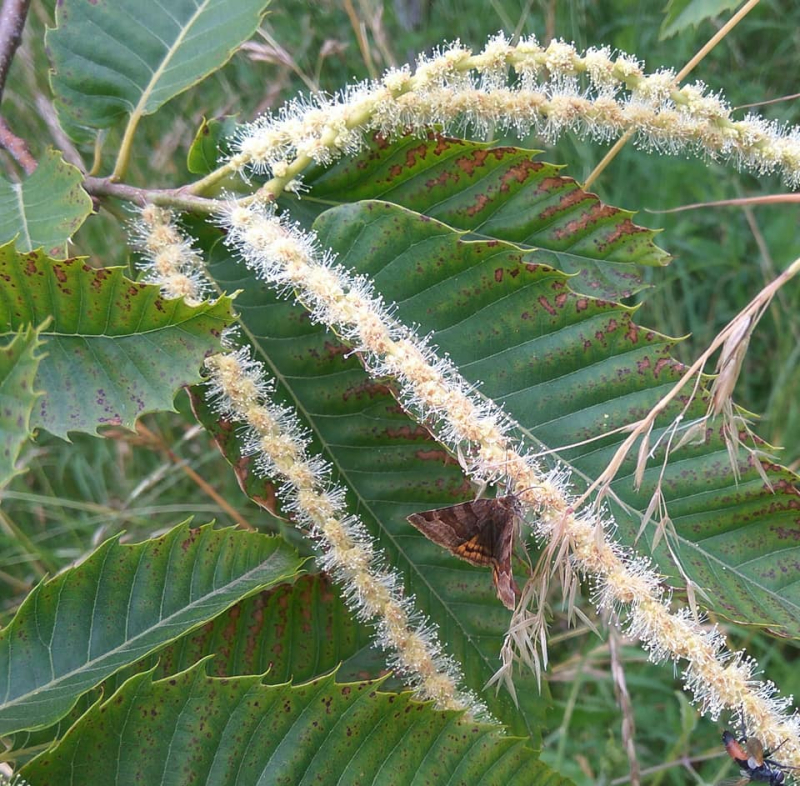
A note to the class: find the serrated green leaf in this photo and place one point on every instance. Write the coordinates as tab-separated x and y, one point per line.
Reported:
569	368
19	362
116	349
45	210
248	733
120	604
392	467
295	632
210	144
501	193
681	14
129	57
292	632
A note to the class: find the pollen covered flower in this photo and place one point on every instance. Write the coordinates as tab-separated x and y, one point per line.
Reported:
168	256
475	429
522	89
242	393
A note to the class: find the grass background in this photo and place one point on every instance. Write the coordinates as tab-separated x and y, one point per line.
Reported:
75	495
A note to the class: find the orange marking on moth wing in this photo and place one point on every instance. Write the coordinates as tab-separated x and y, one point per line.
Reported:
474	551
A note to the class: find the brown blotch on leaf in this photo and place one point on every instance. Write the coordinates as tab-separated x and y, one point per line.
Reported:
546	305
439	456
442	179
632	334
414	154
408	432
519	173
443	144
473	161
190	539
661	364
333	349
368	389
481	201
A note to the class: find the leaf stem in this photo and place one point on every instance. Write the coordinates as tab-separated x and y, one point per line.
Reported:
211	179
608	158
179	198
124	154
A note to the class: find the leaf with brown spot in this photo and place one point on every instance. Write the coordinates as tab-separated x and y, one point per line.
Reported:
316	732
569	368
504	193
146	595
374	447
19	362
115	349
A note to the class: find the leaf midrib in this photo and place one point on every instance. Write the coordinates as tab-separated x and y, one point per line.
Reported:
127	645
139	109
18	190
310	422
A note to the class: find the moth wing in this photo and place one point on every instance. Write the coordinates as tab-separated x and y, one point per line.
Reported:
480	532
466	529
501	564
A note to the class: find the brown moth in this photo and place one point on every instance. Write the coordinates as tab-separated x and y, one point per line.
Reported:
480	532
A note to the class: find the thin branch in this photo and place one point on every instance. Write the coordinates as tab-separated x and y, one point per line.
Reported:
168	197
608	158
63	142
215	179
770	101
684	761
17	147
12	22
768	199
716	38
